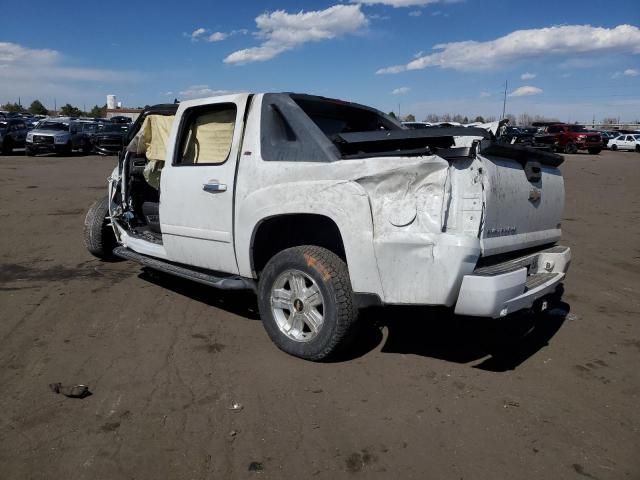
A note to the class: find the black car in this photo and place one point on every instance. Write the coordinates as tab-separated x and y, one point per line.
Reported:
108	139
516	136
13	133
120	119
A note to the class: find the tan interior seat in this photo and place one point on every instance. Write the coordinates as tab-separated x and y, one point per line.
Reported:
209	139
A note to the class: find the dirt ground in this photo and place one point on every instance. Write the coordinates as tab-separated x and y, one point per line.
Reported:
422	395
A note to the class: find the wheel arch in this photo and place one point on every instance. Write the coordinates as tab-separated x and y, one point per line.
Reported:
279	232
351	229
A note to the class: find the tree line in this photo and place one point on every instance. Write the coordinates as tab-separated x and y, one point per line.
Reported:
524	119
68	110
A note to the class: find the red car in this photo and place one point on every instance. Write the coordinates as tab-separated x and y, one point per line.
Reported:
571	138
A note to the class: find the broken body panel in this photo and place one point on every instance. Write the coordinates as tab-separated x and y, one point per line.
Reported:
414	224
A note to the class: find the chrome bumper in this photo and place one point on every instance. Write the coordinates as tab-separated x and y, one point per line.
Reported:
507	287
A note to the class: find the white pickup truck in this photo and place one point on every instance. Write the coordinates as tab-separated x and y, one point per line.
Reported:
324	207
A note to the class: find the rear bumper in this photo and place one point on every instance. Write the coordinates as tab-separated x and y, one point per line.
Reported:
505	288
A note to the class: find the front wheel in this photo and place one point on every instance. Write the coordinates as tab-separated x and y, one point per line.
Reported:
98	234
570	148
306	302
595	151
614	147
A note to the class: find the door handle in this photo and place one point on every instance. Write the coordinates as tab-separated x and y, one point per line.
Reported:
213	186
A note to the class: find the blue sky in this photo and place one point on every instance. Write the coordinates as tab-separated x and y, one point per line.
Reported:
572	59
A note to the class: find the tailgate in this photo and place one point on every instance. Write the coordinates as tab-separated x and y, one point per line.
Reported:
523	200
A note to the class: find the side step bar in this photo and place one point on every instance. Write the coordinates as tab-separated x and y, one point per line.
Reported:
231	282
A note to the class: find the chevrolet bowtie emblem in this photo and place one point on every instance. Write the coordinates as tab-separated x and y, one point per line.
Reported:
534	195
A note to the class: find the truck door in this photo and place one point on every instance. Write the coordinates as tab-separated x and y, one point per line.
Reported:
197	182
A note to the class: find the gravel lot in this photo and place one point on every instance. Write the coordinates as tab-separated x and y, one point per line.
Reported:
424	394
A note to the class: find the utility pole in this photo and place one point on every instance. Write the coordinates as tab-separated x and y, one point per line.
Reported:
504	102
399	111
55	106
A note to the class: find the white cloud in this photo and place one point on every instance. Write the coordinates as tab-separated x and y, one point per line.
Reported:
21	62
201	91
197	33
484	94
415	13
631	72
528	76
43	73
526	44
400	91
217	37
526	91
403	3
282	31
207	35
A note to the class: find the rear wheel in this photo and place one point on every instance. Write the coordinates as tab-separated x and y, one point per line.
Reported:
67	150
306	302
98	234
595	151
570	148
7	146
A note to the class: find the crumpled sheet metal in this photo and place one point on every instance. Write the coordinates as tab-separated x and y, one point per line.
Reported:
411	196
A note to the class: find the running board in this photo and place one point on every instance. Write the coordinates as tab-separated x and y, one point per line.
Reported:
231	282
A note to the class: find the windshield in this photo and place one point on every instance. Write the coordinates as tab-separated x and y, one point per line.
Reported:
53	126
577	128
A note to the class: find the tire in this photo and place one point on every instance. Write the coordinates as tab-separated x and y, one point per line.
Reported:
86	148
638	148
7	146
570	148
29	152
326	281
98	234
595	151
614	147
67	150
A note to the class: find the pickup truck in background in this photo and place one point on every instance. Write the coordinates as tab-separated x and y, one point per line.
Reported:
570	138
323	207
57	135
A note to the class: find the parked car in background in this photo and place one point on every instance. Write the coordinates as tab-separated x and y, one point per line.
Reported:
516	136
606	136
109	138
626	142
13	132
120	119
416	125
570	138
57	135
